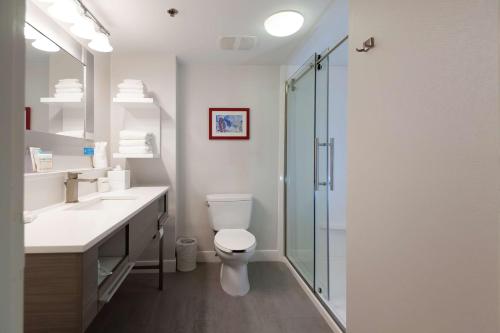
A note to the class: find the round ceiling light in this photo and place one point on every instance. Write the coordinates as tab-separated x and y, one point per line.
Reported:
45	44
284	23
84	28
65	10
100	43
30	32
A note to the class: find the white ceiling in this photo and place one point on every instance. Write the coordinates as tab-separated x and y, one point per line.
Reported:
144	26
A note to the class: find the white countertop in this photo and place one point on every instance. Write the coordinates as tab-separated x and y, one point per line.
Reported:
58	229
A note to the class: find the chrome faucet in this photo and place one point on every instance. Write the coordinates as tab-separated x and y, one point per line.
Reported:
72	186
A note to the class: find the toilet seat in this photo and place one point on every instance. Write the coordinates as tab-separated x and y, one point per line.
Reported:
234	240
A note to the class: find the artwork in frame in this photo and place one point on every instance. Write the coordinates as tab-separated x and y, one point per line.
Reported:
229	124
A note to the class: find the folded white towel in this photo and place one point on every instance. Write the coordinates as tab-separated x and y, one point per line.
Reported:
130	95
131	91
134	135
135	150
68	90
132	81
68	85
68	96
134	143
130	86
69	80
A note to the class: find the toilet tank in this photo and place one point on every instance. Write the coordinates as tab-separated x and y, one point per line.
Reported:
229	211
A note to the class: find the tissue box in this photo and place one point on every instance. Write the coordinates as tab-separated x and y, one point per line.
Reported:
119	180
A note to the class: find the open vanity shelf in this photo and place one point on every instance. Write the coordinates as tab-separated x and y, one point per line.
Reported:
141	114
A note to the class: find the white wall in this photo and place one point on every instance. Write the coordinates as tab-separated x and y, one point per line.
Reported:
228	166
159	74
423	167
11	165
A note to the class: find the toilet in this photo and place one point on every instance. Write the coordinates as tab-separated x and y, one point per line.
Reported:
229	216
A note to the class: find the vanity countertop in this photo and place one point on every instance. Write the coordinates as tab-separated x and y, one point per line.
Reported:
63	229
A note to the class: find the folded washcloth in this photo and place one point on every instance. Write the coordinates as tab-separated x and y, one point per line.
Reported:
134	135
129	95
134	143
69	80
130	86
132	81
135	150
68	90
69	85
68	95
131	91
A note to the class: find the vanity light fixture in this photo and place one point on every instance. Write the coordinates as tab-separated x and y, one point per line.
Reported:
84	24
284	23
65	10
45	44
30	32
100	43
84	28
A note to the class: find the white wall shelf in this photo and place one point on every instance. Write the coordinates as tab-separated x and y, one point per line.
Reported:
63	102
120	155
137	103
32	175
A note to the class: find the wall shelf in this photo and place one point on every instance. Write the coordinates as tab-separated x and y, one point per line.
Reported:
63	103
33	175
137	103
119	155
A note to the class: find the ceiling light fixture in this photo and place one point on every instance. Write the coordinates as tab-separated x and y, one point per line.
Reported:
30	32
284	23
65	10
100	43
45	44
84	28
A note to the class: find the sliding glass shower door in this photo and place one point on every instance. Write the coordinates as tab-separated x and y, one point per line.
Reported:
316	176
300	171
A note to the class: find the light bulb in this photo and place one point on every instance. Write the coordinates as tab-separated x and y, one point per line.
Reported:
84	28
30	32
100	43
65	11
284	23
45	44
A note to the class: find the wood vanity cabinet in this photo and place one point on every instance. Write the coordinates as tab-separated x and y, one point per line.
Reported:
61	290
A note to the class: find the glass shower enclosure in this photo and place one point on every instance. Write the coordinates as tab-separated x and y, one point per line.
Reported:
316	176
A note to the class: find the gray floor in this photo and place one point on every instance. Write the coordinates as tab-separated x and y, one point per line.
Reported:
195	302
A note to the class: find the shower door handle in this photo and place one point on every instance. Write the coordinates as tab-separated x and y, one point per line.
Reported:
332	159
316	172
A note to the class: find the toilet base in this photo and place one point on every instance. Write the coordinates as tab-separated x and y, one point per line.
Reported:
234	279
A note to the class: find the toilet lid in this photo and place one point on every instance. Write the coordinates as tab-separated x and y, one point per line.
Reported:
234	240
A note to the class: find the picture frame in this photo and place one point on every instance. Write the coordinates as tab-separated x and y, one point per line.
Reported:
229	123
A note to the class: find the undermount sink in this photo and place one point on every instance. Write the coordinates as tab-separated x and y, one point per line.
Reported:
104	203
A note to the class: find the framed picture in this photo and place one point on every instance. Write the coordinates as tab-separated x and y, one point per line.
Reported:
229	124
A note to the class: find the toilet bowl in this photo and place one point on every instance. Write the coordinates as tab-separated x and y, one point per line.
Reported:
234	247
229	216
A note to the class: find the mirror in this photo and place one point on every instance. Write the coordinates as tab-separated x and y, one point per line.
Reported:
57	100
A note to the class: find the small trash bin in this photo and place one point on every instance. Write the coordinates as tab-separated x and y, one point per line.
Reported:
186	249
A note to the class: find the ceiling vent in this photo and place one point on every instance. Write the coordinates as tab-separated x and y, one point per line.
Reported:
241	43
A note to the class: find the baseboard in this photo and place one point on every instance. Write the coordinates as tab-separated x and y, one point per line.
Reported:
329	320
169	266
260	255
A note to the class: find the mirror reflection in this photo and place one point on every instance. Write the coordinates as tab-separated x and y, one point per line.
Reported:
55	90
